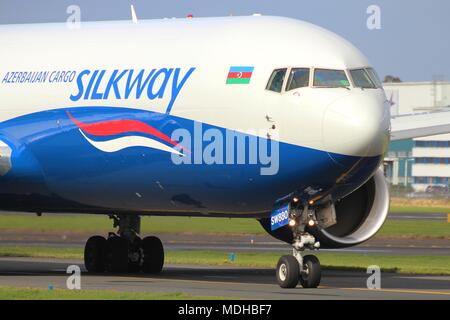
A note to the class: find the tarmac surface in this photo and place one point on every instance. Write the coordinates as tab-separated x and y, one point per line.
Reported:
244	283
418	216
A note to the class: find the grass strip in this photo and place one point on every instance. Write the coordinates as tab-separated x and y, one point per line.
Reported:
415	229
15	293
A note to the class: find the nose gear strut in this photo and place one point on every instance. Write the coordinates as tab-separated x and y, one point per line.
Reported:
295	268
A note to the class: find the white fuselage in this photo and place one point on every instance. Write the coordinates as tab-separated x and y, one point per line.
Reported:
327	118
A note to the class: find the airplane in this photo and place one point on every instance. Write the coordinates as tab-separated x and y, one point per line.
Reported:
259	117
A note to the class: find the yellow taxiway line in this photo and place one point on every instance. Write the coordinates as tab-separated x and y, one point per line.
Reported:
413	291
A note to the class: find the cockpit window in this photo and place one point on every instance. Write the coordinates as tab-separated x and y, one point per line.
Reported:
276	80
374	76
330	78
362	79
298	78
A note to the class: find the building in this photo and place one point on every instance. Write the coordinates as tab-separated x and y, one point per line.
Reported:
414	97
431	162
420	162
398	163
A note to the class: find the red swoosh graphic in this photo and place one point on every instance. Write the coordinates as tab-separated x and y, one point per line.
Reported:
113	127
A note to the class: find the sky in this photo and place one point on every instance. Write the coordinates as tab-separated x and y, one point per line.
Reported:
412	42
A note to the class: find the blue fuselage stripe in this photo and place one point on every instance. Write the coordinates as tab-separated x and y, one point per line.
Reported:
51	158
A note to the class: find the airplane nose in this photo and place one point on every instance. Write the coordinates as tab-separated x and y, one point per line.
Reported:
357	125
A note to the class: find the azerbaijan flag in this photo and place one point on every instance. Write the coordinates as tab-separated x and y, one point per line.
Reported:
239	75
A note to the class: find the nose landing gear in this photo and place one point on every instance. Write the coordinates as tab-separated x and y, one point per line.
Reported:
124	251
295	268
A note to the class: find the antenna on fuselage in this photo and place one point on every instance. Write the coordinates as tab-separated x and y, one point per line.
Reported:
133	15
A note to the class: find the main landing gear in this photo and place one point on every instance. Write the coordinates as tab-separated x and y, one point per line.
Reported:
295	268
124	251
